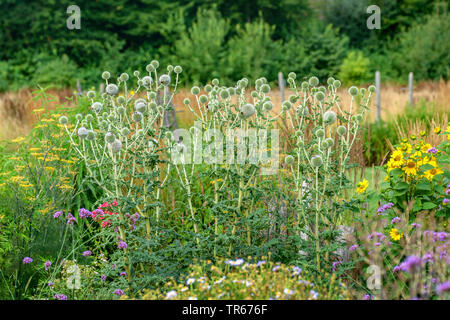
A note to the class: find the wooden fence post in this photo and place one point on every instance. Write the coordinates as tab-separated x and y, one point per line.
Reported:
281	83
410	86
378	86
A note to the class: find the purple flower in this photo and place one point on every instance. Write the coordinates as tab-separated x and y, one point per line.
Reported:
70	219
396	269
443	287
47	265
432	150
353	247
103	277
84	213
114	266
416	225
60	296
50	284
445	201
396	220
123	273
119	292
377	244
368	297
87	253
411	263
57	214
260	263
428	257
27	260
122	245
335	264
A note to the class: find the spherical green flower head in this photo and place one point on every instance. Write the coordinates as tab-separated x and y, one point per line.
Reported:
91	94
136	73
112	89
320	96
110	137
224	94
289	160
63	120
330	81
149	68
92	135
124	77
215	82
106	75
178	69
187	101
155	64
116	146
265	88
125	132
164	80
247	110
213	106
137	116
313	81
78	116
82	132
305	85
231	91
359	117
286	105
195	90
147	81
203	99
292	75
353	91
329	117
336	83
208	88
329	142
121	99
89	117
372	89
341	130
140	106
268	106
316	160
320	133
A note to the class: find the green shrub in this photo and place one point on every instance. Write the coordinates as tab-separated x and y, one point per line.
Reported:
355	68
60	72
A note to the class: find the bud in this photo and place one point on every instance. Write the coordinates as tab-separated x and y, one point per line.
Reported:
116	146
336	83
359	117
78	116
208	88
124	77
329	142
353	91
178	69
89	117
125	132
224	94
329	117
316	161
136	73
137	116
169	68
330	81
289	160
305	85
92	135
91	94
155	64
121	100
164	80
268	106
82	132
215	82
187	101
203	99
63	120
109	137
195	90
140	106
372	89
320	96
320	133
112	89
313	81
341	130
106	75
149	68
265	88
247	110
292	75
286	105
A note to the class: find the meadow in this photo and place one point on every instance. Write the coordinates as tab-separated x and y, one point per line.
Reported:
101	199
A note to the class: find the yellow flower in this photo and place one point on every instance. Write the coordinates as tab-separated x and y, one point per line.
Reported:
362	186
431	173
18	140
395	234
406	147
423	133
38	110
131	92
448	132
437	130
410	168
397	159
425	147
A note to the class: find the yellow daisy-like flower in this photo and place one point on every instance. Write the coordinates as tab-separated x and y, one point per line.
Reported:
18	140
410	168
431	173
406	147
132	93
397	159
425	147
423	133
395	234
362	186
437	130
448	131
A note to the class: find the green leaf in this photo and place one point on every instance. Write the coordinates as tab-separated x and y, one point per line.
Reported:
429	205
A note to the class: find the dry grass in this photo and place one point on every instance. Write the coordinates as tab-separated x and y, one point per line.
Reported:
17	117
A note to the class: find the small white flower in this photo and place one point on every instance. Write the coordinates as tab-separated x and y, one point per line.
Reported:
171	294
190	281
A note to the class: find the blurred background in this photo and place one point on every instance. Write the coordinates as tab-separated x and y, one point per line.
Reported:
228	40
